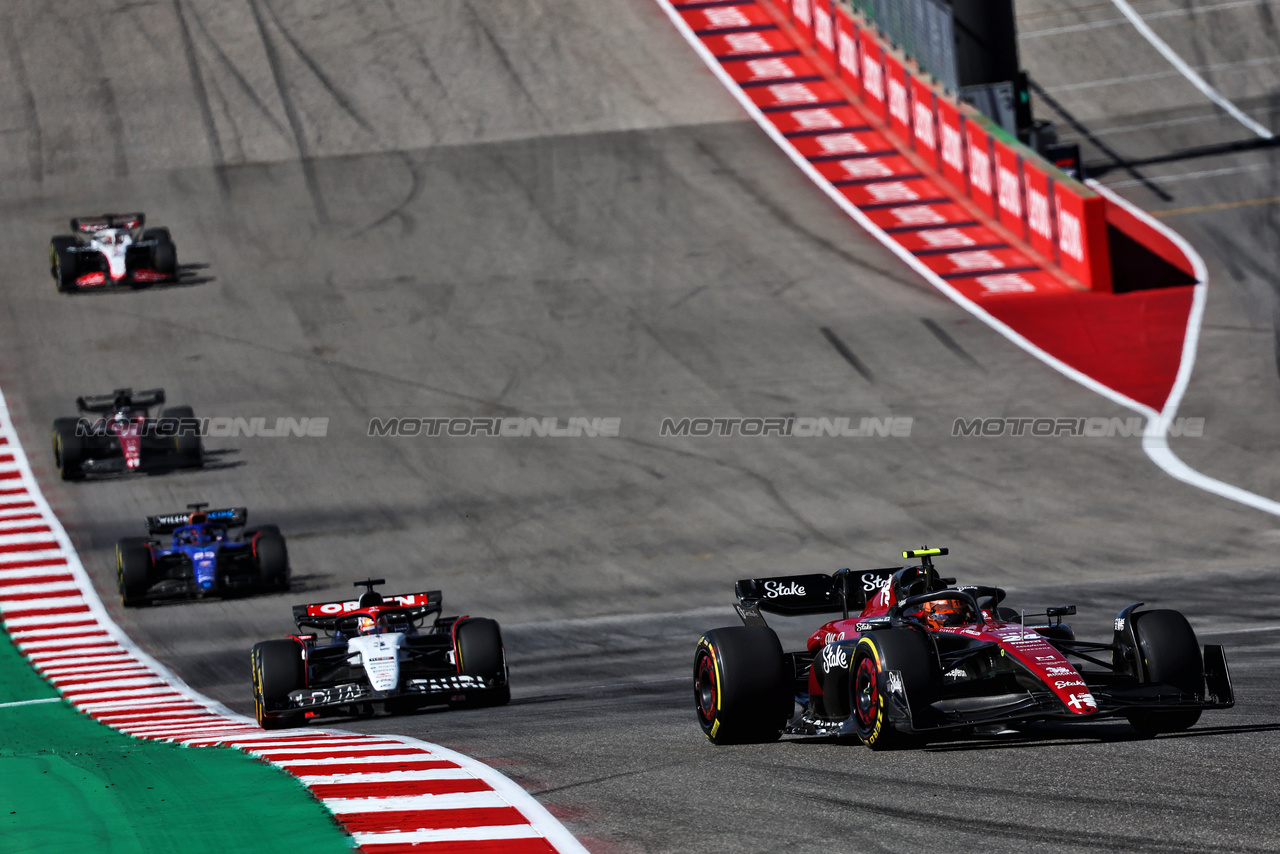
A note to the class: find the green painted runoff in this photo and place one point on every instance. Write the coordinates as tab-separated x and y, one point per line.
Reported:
68	783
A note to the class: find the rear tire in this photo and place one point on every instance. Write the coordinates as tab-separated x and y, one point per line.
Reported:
1170	655
742	691
187	447
479	651
68	448
906	651
134	568
277	670
272	556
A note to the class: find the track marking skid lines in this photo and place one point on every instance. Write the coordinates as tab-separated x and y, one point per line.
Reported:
391	793
1136	349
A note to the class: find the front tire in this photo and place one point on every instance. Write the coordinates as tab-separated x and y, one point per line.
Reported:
479	652
68	448
164	259
134	568
907	652
742	691
62	264
1170	654
277	670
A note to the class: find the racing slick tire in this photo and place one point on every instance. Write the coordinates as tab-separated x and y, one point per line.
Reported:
479	652
68	448
272	557
164	258
1170	655
906	651
134	566
160	233
62	264
187	448
277	670
742	689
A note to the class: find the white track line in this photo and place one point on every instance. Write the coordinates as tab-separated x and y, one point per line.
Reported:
30	702
1186	70
1163	458
1150	16
452	834
1194	176
1154	443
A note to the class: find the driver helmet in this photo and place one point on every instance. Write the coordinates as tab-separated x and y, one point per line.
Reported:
188	537
944	612
366	625
107	237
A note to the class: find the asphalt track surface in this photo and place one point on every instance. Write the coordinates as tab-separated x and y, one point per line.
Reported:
549	208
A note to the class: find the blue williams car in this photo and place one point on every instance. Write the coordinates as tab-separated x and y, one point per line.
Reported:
209	553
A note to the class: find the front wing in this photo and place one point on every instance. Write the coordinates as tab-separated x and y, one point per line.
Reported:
440	688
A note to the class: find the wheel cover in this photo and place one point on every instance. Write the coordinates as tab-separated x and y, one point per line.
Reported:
866	693
706	689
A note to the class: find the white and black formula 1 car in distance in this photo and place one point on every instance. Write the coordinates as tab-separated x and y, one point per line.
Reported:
112	249
382	651
925	659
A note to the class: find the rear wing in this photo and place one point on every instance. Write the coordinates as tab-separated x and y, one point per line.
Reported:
795	595
94	224
406	606
121	398
232	517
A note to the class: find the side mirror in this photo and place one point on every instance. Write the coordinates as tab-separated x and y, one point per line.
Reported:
1061	611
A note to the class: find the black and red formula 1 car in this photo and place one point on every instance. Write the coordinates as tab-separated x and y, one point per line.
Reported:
925	658
126	436
112	249
378	650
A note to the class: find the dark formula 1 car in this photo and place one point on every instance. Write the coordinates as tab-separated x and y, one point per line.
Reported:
378	650
209	553
925	658
126	436
112	249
